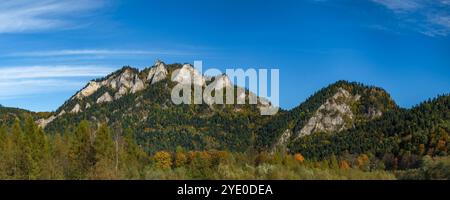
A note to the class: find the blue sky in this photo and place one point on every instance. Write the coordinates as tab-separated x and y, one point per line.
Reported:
49	49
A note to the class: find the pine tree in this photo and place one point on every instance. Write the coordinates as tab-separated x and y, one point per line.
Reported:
45	159
104	149
81	153
59	153
3	135
33	148
132	158
3	152
22	159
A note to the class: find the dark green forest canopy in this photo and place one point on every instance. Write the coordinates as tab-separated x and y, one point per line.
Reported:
404	133
296	118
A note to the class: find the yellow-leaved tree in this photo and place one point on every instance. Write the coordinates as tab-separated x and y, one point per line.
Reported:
163	160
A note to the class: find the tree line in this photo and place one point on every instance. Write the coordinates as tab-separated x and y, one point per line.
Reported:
27	152
95	151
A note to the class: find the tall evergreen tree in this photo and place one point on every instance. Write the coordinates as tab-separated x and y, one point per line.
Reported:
23	162
59	161
3	152
81	154
104	150
132	158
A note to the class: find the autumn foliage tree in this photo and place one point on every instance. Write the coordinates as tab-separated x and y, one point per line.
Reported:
344	165
299	157
363	162
163	160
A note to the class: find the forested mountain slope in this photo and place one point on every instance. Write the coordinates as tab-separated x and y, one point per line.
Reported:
402	136
141	101
9	115
335	108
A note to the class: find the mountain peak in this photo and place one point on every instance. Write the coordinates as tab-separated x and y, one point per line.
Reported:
158	62
157	73
188	75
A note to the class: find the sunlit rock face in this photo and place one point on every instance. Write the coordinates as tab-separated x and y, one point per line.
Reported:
76	109
90	89
44	122
124	82
126	79
138	85
61	113
105	98
188	75
157	73
334	115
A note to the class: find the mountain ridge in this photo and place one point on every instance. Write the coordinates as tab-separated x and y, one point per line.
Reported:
131	80
139	100
150	112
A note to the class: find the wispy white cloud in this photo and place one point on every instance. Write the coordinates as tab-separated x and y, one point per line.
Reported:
95	52
59	71
399	5
431	18
30	15
441	20
24	88
16	82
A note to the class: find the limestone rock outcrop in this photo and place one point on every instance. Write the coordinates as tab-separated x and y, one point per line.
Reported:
157	73
44	122
188	75
76	109
90	89
334	115
138	85
104	98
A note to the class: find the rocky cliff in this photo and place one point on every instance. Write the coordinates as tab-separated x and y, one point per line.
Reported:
333	109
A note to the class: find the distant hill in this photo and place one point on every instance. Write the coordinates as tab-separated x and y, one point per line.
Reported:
403	135
335	108
351	119
9	115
